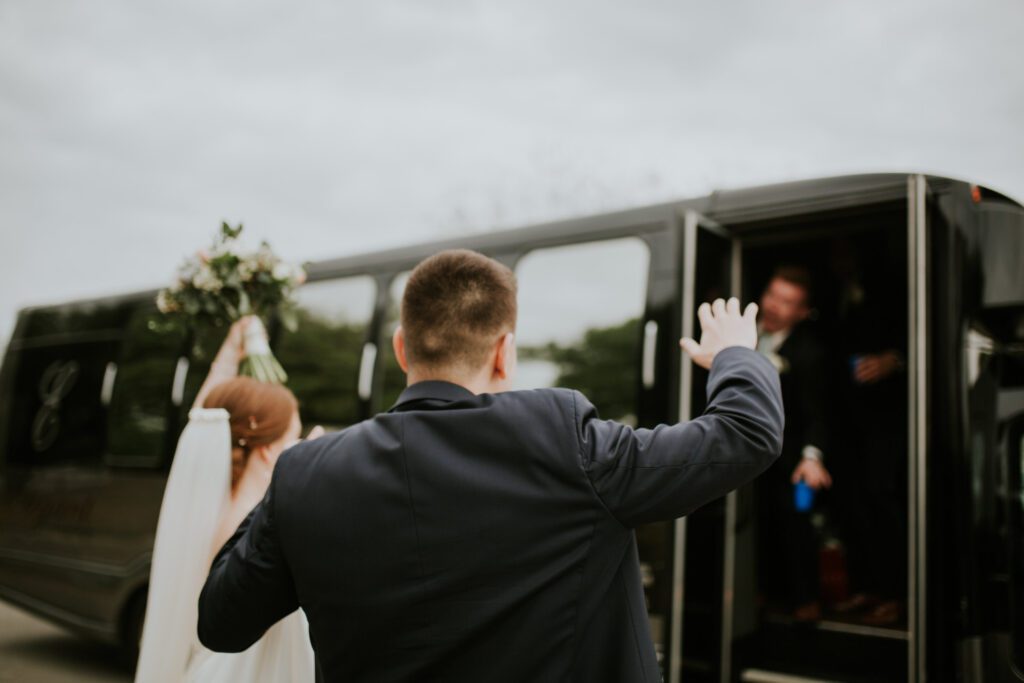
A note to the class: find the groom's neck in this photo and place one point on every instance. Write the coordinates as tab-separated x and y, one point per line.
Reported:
482	383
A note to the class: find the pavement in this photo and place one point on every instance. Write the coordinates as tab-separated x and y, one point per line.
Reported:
35	651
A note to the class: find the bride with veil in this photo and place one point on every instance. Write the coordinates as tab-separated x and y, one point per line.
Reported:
237	429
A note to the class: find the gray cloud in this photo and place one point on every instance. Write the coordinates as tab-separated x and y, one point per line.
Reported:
128	130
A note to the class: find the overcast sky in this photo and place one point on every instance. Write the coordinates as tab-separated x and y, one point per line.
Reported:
129	130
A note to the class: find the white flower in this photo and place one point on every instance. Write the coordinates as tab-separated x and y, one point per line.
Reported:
165	303
282	271
246	268
206	280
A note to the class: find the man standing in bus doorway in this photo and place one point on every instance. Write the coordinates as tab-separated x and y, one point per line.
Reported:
788	546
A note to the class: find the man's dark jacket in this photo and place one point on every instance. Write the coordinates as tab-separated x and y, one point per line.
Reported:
805	394
464	537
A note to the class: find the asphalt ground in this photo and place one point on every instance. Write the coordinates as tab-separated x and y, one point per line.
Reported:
35	651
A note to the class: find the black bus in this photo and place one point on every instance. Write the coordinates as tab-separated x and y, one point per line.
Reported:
92	399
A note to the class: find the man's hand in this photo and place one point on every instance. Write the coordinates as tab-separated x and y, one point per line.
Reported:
813	473
722	325
876	367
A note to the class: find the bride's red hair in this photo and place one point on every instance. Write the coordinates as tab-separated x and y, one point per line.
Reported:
260	414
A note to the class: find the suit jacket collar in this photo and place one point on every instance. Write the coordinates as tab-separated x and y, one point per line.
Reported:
796	342
431	389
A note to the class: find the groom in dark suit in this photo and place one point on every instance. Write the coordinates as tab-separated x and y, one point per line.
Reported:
473	533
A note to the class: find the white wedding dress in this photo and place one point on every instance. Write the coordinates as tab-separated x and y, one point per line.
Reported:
197	493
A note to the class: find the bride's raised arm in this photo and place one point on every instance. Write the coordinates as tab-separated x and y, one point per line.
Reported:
225	364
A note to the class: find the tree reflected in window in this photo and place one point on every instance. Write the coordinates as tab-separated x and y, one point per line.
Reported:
580	309
322	356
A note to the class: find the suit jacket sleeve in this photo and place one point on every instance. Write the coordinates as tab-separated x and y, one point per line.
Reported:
812	372
249	587
645	475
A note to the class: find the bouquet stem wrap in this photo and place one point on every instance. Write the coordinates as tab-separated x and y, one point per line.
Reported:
259	363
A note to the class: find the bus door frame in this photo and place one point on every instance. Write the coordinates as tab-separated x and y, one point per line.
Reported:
918	193
693	222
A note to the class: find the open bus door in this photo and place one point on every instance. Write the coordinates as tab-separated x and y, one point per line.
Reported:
705	548
715	616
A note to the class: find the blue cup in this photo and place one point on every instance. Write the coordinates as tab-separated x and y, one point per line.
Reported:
803	496
854	361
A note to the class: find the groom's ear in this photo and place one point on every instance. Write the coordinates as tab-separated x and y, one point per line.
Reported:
398	343
505	356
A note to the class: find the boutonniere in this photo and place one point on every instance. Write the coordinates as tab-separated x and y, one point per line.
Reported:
780	363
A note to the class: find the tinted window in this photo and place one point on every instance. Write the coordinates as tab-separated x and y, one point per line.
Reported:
323	355
580	309
141	394
1002	252
58	412
201	349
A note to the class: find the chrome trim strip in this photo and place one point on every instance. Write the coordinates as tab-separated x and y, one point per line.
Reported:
689	310
104	569
107	390
731	503
736	285
178	386
675	657
858	630
650	347
763	676
845	627
366	370
917	423
728	586
922	425
685	405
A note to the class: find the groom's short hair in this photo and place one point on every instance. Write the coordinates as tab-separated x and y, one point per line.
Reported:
456	306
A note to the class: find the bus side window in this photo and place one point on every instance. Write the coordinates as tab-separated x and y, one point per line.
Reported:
58	414
204	343
580	313
141	393
322	357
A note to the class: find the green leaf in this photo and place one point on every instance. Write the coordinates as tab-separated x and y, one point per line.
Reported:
229	233
289	317
244	304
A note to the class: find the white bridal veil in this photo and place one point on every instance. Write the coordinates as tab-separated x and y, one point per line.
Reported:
197	492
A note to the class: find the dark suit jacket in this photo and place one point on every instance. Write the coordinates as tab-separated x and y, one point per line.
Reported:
804	383
483	538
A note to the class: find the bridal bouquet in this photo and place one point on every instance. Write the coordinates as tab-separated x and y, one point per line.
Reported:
218	286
